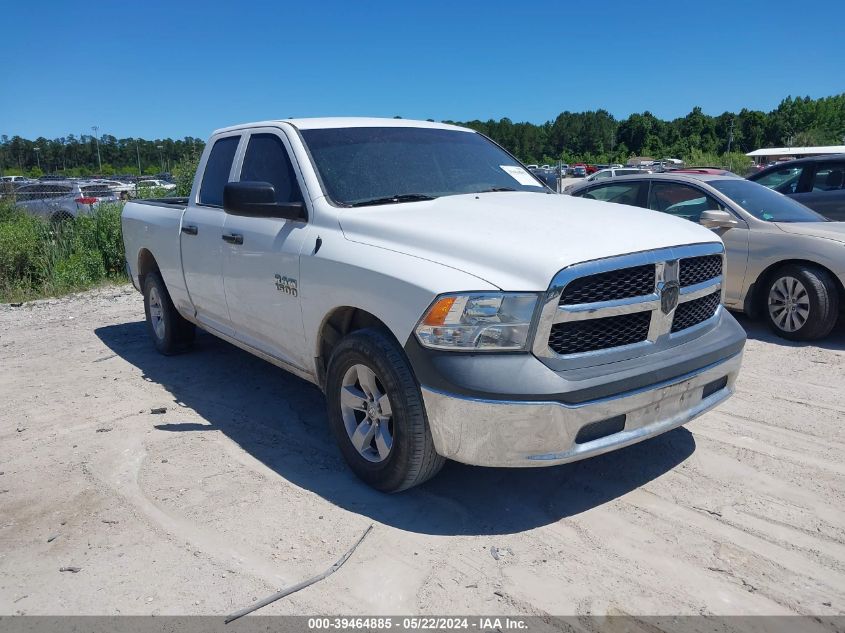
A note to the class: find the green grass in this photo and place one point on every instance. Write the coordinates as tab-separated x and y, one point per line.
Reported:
42	259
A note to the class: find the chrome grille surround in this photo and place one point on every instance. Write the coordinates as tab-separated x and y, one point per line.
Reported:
660	336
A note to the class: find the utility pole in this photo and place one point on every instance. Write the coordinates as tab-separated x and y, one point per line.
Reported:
96	129
38	156
730	136
160	157
138	152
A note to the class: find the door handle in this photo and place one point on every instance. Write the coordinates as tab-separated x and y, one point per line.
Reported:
233	238
189	230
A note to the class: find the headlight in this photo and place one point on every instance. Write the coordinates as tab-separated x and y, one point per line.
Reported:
478	321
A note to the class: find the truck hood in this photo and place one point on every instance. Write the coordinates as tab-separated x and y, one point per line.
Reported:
827	230
516	240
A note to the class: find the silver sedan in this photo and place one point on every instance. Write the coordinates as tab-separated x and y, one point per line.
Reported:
62	200
785	262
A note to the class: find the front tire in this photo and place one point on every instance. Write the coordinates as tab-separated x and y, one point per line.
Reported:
170	332
376	413
801	302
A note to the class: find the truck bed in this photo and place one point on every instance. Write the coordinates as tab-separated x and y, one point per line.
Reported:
179	203
153	225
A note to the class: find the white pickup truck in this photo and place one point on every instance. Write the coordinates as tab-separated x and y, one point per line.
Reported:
447	302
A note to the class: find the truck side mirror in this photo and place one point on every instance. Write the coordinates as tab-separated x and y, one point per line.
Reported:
258	200
714	219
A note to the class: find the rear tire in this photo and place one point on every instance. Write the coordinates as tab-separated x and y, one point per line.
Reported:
801	302
60	217
170	332
376	413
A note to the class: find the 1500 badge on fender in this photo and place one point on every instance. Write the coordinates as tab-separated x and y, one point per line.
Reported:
287	285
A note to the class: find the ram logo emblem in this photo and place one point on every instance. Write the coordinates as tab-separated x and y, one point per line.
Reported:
669	294
287	285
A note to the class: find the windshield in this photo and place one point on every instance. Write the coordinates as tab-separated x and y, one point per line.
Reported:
765	204
362	164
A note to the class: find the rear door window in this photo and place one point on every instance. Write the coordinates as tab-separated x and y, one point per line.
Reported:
680	200
27	193
267	160
59	191
622	193
41	191
217	170
829	176
784	180
96	191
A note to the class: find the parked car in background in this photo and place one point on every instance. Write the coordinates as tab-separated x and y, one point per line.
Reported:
62	200
121	189
784	261
666	164
817	182
17	180
155	184
712	171
579	171
604	174
613	172
548	176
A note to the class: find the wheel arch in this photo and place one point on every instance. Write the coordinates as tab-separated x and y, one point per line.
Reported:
756	291
146	264
339	322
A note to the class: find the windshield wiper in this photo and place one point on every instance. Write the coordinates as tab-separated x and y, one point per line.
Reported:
402	197
495	189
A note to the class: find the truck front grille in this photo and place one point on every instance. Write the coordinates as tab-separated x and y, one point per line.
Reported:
617	284
695	312
694	270
595	334
627	300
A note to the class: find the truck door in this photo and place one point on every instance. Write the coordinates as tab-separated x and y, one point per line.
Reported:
202	238
261	256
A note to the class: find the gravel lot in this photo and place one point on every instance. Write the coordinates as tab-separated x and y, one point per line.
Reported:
237	489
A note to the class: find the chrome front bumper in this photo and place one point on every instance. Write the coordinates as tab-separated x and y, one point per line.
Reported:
516	433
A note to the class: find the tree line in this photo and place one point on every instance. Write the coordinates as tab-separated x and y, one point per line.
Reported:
597	137
78	155
591	137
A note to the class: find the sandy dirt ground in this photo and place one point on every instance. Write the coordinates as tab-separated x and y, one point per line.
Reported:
237	490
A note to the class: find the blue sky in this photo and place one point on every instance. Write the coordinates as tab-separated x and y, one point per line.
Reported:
157	69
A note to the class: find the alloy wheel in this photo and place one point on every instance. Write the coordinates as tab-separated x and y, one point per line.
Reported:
789	304
157	314
367	414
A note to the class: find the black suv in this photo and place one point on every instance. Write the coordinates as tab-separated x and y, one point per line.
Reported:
817	182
